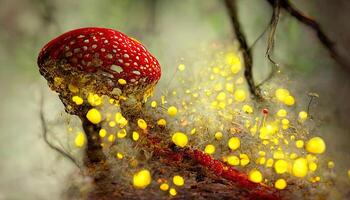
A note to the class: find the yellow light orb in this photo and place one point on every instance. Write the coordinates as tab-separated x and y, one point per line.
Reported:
181	67
77	100
94	116
281	166
247	109
172	111
316	145
300	167
102	133
180	139
178	180
221	96
120	156
218	135
255	176
153	104
280	184
281	113
289	100
164	186
233	160
122	81
234	143
142	124
79	140
312	166
240	95
94	99
209	149
172	192
281	94
142	179
302	116
135	135
330	164
161	122
299	144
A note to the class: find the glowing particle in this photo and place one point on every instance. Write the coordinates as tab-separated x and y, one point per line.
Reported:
180	139
247	109
293	156
181	67
120	156
302	116
349	173
121	133
281	113
278	154
330	164
102	133
300	167
218	135
164	186
269	162
142	124
122	81
135	135
112	124
111	138
161	122
172	192
280	184
281	94
285	121
172	111
233	160
77	100
178	180
94	116
221	96
153	104
209	149
240	95
193	131
299	144
255	176
244	159
229	87
142	179
281	166
79	140
234	143
316	145
94	99
289	100
312	166
120	119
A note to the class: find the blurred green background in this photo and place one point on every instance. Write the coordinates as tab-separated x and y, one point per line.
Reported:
171	30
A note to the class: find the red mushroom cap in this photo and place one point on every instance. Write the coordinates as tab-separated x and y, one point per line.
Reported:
91	49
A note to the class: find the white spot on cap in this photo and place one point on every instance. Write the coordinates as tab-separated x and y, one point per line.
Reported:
94	46
109	56
136	72
116	68
86	41
120	60
126	55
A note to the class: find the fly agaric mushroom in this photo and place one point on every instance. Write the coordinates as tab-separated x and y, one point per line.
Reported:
101	61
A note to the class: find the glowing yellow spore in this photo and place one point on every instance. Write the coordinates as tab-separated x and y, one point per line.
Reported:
221	96
164	187
269	162
94	116
94	99
142	179
172	192
135	135
229	87
120	120
299	144
178	180
278	154
349	173
247	109
172	111
240	95
302	116
111	138
233	160
209	149
142	124
281	113
312	166
112	124
77	100
281	166
120	156
280	184
180	139
255	176
79	140
218	135
161	122
330	164
181	67
289	100
193	131
122	81
316	145
153	104
102	133
300	167
281	94
234	143
121	133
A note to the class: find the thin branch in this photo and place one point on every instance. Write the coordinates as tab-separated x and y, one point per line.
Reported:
45	132
247	56
315	26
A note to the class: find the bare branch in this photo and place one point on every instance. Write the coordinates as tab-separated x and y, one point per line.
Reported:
247	56
45	132
315	26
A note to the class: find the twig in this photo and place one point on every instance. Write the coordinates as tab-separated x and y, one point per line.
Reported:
247	56
315	26
45	131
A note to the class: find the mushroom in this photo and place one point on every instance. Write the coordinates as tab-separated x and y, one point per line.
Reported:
102	61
